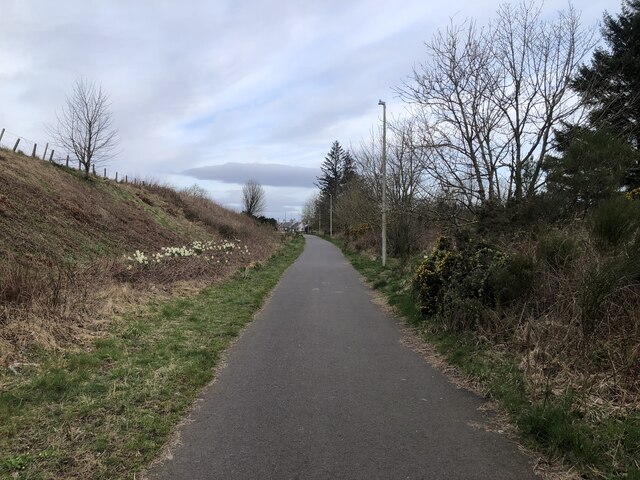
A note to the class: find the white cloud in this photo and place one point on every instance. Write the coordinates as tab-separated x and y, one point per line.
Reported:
204	83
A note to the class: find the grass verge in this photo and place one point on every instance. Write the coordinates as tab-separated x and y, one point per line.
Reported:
598	448
105	413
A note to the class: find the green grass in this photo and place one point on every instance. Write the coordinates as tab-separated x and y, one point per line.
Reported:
106	413
610	447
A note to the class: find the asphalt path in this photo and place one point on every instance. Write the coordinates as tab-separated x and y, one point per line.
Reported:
320	386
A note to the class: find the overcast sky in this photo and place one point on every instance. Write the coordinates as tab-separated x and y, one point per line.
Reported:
216	92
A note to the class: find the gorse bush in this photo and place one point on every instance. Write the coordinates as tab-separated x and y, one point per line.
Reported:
356	231
472	273
557	250
511	278
433	274
615	221
460	284
633	194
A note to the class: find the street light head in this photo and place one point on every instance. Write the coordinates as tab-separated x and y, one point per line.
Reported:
380	102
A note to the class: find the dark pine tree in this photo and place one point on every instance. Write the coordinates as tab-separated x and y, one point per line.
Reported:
592	167
610	86
332	167
348	170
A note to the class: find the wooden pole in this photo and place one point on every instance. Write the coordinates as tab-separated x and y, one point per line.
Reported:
44	155
1	134
15	147
126	179
67	161
33	154
51	156
116	177
93	167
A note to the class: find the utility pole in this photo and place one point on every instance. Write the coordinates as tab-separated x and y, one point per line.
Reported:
330	215
384	182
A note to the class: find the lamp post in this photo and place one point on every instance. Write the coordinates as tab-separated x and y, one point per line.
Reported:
384	182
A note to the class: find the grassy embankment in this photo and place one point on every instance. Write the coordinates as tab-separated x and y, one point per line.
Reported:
64	240
608	447
106	412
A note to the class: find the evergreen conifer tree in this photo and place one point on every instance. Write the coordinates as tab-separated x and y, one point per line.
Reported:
332	169
610	85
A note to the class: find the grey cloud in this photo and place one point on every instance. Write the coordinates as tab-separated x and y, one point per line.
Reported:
275	175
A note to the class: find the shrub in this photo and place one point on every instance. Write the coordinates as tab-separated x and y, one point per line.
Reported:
459	313
633	194
510	278
272	222
615	222
433	274
358	230
471	278
601	282
459	284
557	250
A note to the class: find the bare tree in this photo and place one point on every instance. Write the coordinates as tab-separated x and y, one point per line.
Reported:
489	98
311	210
85	125
196	191
253	198
405	176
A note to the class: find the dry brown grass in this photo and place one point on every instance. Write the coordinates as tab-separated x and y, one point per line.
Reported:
599	359
63	239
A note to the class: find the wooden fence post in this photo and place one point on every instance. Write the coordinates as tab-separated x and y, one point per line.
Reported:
126	179
44	155
15	147
105	172
1	134
93	167
79	165
33	154
67	161
51	156
116	177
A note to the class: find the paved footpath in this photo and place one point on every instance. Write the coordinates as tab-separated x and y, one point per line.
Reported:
320	387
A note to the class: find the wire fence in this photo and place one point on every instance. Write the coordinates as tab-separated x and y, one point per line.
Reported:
55	154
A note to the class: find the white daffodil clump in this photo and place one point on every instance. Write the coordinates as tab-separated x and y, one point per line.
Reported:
139	257
209	249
